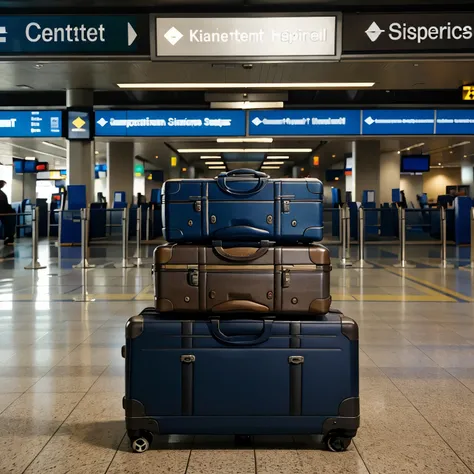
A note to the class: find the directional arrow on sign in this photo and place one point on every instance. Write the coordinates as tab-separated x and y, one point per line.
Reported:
132	34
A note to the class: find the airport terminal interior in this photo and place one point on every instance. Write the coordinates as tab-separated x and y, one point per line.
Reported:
100	107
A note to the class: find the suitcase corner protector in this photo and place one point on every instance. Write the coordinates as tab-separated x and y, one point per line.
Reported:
349	328
133	408
134	327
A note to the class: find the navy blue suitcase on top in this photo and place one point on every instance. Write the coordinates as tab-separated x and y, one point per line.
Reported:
241	376
243	206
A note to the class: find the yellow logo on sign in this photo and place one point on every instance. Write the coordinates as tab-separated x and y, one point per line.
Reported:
468	93
78	123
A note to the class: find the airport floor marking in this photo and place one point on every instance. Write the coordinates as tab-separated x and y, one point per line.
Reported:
433	286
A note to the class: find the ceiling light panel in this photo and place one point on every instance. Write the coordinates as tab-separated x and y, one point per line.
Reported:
245	150
246	85
213	163
210	157
217	167
270	167
245	140
278	158
271	163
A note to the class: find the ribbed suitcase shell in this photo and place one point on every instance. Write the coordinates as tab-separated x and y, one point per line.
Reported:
243	208
198	278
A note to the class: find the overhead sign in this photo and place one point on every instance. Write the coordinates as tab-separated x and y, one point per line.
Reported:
455	122
425	33
258	37
170	123
398	122
71	35
304	122
37	123
78	125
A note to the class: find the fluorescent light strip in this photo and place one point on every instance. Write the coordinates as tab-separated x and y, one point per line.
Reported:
278	158
271	163
459	144
30	158
217	167
210	157
270	167
53	145
245	140
210	163
248	85
245	150
247	105
408	148
32	150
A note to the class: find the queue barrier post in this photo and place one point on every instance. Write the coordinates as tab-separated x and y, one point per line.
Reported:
35	265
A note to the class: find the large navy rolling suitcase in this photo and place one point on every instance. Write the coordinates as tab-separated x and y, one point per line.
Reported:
243	206
241	376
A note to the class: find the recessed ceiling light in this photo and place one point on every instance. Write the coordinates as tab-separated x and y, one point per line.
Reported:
245	150
217	167
205	157
246	85
334	156
212	163
53	145
247	105
30	158
270	168
274	163
439	164
245	140
96	152
278	157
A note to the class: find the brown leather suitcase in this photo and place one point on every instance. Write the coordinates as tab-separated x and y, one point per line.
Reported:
278	279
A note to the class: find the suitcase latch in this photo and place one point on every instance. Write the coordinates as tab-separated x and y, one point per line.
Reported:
285	279
193	277
188	359
286	206
197	206
296	360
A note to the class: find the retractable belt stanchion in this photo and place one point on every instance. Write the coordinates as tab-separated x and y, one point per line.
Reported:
361	263
35	265
125	262
341	219
444	251
139	236
84	265
84	241
346	237
402	230
148	217
472	239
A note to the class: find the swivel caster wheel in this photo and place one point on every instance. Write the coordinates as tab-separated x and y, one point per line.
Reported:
142	443
337	444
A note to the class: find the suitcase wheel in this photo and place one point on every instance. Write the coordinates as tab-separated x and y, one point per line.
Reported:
336	443
141	443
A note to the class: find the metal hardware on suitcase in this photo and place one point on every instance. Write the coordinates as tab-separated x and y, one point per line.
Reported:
204	278
241	376
243	205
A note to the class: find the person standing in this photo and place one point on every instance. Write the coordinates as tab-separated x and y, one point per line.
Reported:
7	217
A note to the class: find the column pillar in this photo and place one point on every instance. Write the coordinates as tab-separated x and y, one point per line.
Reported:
191	172
295	172
23	186
389	170
80	154
467	175
366	168
120	170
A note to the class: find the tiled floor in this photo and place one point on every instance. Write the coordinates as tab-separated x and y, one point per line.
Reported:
61	378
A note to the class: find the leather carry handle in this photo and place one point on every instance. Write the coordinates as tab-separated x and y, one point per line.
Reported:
241	340
262	181
241	254
240	305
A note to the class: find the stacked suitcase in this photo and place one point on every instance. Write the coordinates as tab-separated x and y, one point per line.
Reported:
242	339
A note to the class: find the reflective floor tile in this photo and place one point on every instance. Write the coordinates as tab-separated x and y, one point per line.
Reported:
450	356
324	462
111	380
465	376
87	354
278	461
217	461
6	399
90	436
397	356
37	357
68	379
28	424
159	461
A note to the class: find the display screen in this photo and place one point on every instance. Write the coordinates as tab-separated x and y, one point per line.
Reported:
30	166
415	164
18	166
79	125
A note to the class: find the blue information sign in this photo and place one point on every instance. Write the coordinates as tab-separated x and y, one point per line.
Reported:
34	123
304	122
455	122
74	35
170	123
398	122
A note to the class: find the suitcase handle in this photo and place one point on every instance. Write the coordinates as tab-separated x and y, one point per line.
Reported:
241	232
241	254
241	340
262	181
240	305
